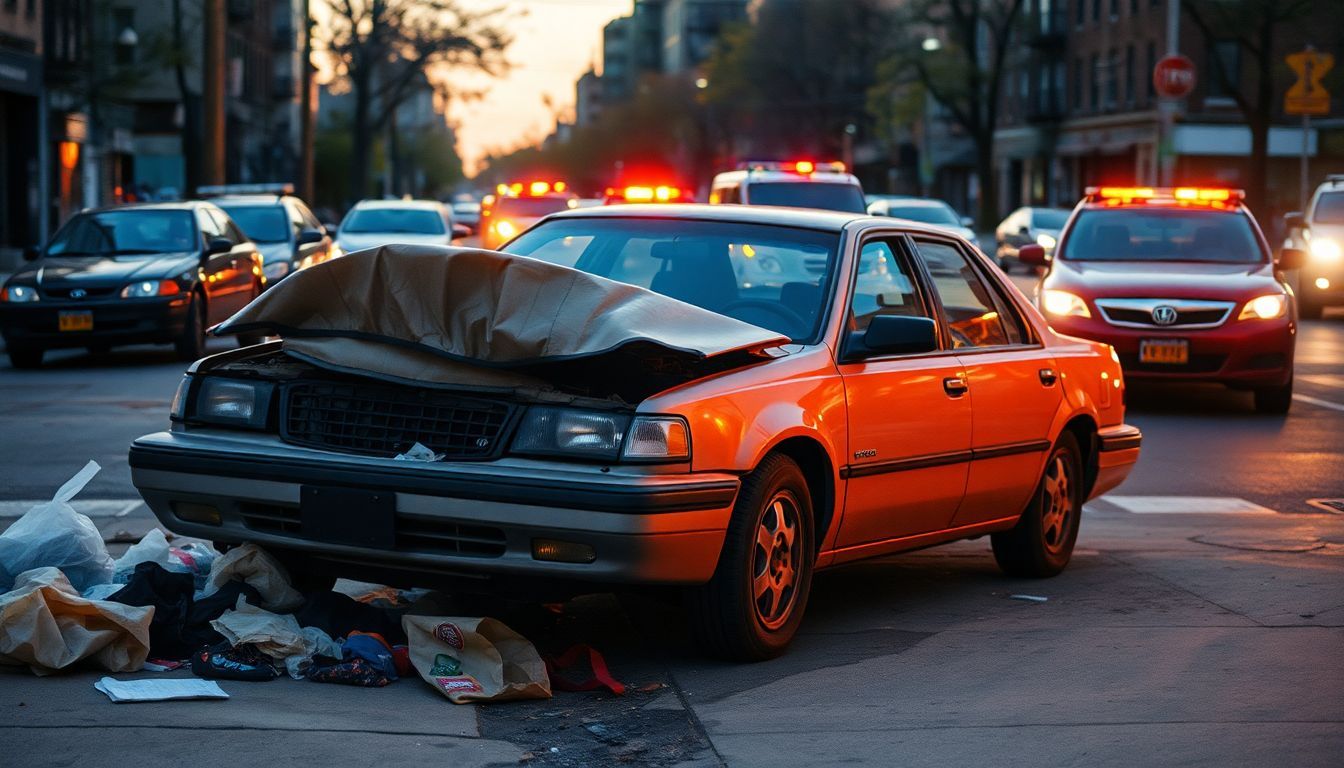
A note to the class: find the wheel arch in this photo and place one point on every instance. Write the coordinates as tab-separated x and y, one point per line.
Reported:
819	472
1084	429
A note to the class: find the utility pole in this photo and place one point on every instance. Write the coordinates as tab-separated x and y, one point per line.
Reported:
307	114
1166	145
212	76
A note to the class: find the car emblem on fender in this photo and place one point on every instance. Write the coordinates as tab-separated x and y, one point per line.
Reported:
78	293
1164	314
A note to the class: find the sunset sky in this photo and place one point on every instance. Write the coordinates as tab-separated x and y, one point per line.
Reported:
555	41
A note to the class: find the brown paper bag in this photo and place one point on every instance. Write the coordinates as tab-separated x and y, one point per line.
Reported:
45	624
472	659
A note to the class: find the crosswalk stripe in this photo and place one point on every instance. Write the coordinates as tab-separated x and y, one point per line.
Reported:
90	507
1318	401
1187	505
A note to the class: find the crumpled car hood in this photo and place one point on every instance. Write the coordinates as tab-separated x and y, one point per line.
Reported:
499	311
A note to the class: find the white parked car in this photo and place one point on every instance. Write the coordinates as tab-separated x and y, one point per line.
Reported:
925	210
372	223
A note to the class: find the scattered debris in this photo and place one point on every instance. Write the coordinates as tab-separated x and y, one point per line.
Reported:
419	452
54	535
127	691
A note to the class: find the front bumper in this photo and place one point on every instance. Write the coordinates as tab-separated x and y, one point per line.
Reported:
1238	352
451	519
115	321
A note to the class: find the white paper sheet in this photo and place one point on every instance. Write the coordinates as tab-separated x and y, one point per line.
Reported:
121	691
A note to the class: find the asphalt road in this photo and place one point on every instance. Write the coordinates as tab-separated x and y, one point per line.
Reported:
1201	623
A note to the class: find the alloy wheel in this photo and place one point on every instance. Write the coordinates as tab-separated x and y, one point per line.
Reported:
776	560
1057	510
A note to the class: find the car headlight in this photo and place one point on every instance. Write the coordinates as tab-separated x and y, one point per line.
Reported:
147	288
1265	307
178	410
275	270
505	229
232	402
1326	250
19	294
1064	304
549	431
1045	241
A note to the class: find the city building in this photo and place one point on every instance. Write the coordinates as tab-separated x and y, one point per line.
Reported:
691	27
20	128
669	37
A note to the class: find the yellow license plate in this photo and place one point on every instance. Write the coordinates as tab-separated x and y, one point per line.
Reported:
76	321
1167	351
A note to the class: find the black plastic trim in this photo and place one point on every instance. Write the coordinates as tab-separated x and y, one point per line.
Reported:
1120	442
684	497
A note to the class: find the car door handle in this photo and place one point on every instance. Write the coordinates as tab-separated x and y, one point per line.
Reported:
955	386
1048	377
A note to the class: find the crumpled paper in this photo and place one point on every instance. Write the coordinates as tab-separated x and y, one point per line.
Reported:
279	637
259	568
45	624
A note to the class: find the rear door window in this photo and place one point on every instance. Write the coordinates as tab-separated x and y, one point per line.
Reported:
970	310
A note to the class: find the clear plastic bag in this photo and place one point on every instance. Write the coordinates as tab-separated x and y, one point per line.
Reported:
54	534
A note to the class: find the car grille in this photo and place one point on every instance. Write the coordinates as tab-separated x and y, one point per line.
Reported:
86	292
428	535
1138	313
384	421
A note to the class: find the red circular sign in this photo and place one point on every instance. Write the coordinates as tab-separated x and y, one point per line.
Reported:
1174	77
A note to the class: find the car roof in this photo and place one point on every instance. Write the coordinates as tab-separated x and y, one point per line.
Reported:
173	205
257	200
808	218
426	205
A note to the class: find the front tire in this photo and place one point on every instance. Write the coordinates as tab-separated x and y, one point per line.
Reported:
1274	400
1041	543
753	605
26	358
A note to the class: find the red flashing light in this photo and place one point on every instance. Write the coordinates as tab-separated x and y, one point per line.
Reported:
1182	195
804	166
641	193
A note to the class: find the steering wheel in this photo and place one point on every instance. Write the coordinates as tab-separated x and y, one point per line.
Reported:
791	318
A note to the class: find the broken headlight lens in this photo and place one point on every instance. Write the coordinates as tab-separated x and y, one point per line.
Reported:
548	431
232	402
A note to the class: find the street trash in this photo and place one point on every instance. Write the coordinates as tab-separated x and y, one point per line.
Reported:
54	535
560	670
339	615
130	691
277	636
257	567
181	622
162	665
475	659
223	661
419	452
367	660
101	591
1030	598
194	558
45	624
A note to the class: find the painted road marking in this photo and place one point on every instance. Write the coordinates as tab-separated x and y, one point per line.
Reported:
1187	505
1325	380
90	507
1319	402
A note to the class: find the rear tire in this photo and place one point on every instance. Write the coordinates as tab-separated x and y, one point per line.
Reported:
26	358
190	345
1274	400
753	605
1041	543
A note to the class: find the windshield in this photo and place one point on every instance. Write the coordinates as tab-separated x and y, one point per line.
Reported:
927	214
531	206
1162	234
808	194
772	277
1329	209
1048	218
127	232
262	223
410	221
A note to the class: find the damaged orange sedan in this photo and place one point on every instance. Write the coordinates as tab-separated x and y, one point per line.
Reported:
723	398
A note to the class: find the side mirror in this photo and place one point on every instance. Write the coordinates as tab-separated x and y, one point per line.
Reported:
219	245
1032	254
1291	258
310	236
897	335
1294	220
460	231
32	253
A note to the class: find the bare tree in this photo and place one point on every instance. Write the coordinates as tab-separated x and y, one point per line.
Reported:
387	48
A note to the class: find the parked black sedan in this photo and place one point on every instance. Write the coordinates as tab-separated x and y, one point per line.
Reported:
154	273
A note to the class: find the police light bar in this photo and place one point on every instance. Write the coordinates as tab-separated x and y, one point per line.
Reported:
274	188
1165	194
648	194
805	167
531	188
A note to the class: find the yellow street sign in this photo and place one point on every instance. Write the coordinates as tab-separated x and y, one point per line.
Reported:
1307	96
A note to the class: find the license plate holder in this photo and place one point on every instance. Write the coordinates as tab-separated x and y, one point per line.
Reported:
78	320
1164	351
349	516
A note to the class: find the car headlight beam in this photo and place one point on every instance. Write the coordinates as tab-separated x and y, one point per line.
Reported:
1265	307
1326	250
1064	304
1045	241
19	294
149	288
